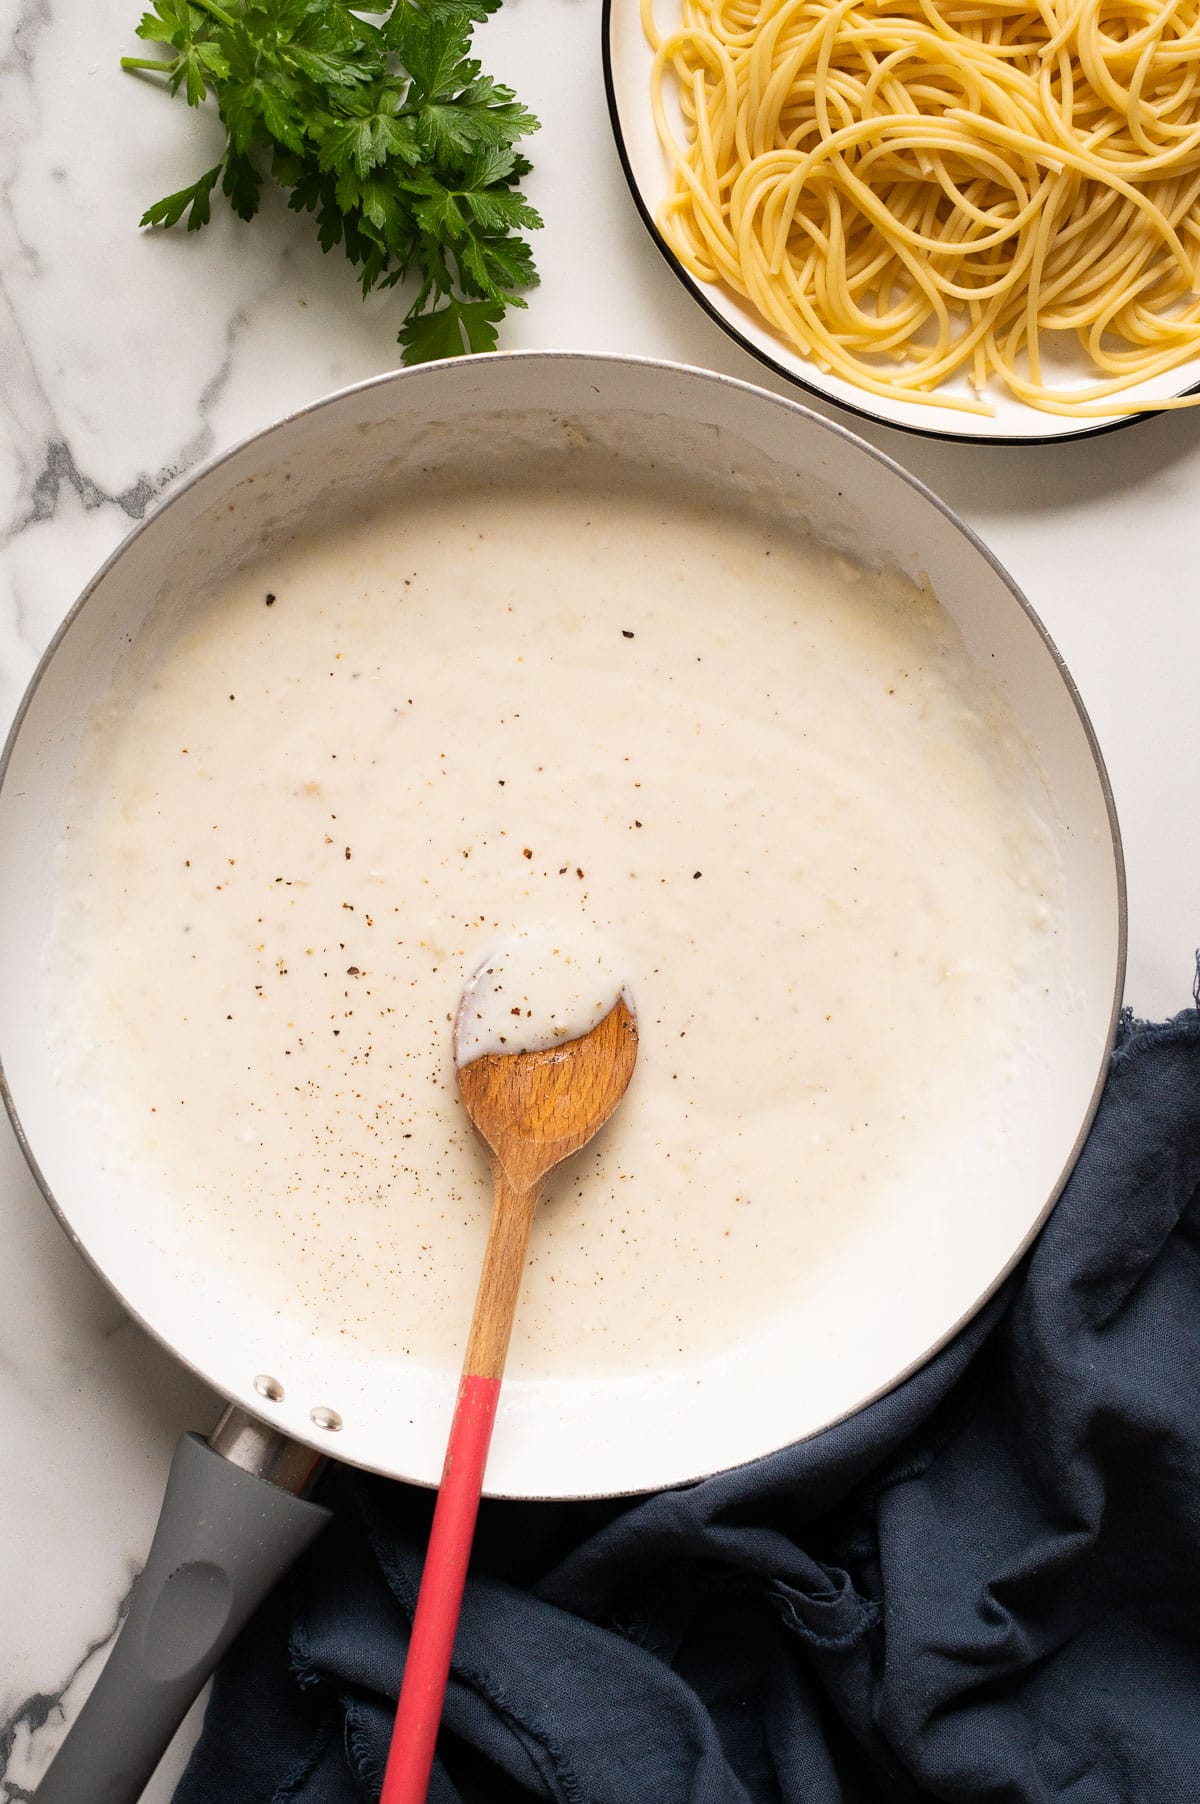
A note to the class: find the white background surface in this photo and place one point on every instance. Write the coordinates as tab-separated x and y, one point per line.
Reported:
125	359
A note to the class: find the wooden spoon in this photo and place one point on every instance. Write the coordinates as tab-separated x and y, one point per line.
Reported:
532	1110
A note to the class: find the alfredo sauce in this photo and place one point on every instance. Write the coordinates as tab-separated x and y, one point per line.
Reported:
762	786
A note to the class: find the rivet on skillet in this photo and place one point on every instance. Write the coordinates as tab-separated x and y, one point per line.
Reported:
325	1418
269	1387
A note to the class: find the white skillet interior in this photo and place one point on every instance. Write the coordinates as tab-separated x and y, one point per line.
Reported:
900	1290
629	60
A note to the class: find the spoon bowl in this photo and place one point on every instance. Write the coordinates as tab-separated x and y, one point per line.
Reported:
532	1110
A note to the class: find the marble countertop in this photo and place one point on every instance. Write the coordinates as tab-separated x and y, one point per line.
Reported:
128	358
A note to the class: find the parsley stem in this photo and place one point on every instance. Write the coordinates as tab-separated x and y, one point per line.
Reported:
217	12
157	63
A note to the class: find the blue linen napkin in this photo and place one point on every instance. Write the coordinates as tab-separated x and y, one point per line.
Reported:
985	1586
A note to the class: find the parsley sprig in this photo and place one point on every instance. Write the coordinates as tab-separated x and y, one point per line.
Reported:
385	128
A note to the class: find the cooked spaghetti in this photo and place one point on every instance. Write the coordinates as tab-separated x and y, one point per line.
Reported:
909	191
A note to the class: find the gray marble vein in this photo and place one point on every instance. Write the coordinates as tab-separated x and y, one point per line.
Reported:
59	467
22	1726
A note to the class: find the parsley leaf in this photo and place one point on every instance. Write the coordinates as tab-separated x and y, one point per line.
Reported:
242	183
449	330
375	118
193	201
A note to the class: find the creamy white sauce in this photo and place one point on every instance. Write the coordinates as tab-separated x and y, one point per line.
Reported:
769	781
539	987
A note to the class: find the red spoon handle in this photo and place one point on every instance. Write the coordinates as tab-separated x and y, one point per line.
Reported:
427	1668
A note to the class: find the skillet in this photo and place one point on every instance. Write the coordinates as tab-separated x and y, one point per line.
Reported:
236	1512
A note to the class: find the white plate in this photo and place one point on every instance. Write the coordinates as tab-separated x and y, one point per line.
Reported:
628	60
896	1292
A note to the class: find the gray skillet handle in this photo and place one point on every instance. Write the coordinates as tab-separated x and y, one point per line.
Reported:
224	1538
